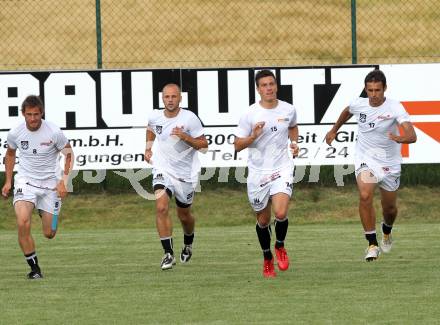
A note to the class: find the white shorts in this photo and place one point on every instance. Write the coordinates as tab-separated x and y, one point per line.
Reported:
42	193
388	178
261	186
183	191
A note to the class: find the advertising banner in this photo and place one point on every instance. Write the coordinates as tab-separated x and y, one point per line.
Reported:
104	113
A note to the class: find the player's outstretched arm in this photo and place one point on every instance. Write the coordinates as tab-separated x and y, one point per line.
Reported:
68	166
409	134
344	117
243	143
9	169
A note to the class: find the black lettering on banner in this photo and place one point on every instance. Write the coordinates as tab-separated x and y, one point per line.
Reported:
189	86
323	96
219	139
343	152
208	138
303	152
332	152
160	79
223	105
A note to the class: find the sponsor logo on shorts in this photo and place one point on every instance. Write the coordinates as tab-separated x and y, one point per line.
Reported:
57	204
159	129
24	145
158	177
362	118
189	196
257	203
362	166
269	179
19	192
289	185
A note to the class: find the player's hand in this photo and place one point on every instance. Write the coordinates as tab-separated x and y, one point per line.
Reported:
61	189
179	132
330	136
257	129
5	190
148	155
394	137
294	149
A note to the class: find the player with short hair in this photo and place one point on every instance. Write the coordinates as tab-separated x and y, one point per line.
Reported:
39	182
265	130
377	155
179	135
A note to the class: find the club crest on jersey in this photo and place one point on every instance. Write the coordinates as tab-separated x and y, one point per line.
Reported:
24	145
158	129
362	118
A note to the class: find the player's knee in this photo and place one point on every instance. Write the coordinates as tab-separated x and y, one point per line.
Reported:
23	223
365	197
185	217
390	211
162	209
281	214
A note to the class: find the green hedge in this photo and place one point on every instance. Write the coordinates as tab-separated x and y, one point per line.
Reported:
211	179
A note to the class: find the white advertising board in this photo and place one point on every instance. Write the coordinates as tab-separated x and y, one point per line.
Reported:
104	113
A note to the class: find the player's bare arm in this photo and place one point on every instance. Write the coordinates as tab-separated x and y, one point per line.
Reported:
409	134
149	144
198	143
68	166
243	143
9	169
293	136
344	117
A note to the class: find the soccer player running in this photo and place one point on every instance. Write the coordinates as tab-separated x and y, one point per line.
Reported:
265	130
39	182
377	156
179	135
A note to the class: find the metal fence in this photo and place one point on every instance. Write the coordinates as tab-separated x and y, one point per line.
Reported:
86	34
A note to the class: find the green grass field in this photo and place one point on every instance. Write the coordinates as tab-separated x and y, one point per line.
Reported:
103	266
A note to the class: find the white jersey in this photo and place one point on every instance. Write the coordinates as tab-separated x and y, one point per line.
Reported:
38	150
374	124
269	152
171	154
